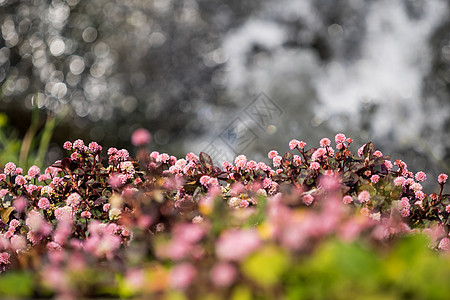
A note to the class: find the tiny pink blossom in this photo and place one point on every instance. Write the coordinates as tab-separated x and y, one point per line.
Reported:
447	208
294	144
251	165
19	171
106	207
419	195
378	153
277	161
347	199
339	138
20	203
34	171
374	178
421	176
444	244
247	239
240	161
182	275
86	214
74	199
4	258
364	211
307	199
442	178
223	274
78	145
204	180
399	181
14	223
388	165
20	180
272	154
314	165
94	147
140	137
3	192
320	152
297	160
325	142
10	168
67	145
44	203
364	196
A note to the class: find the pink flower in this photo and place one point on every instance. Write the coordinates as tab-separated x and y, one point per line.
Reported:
140	137
294	144
399	181
86	214
74	199
297	160
404	207
19	171
444	244
240	161
106	207
53	246
318	154
442	178
307	199
223	274
44	203
272	154
314	166
277	161
188	232
4	258
378	153
34	171
347	199
182	275
421	176
18	242
236	244
374	178
325	142
339	138
123	155
416	186
364	196
78	145
20	204
227	166
94	147
20	180
67	145
364	211
2	177
14	223
3	192
10	169
251	165
388	165
447	208
204	180
419	195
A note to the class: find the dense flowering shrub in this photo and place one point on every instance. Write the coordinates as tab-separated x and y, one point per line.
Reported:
94	225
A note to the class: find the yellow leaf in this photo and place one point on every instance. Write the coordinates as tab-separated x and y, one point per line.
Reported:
5	212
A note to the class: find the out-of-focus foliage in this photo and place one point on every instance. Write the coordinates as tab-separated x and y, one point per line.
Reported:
32	148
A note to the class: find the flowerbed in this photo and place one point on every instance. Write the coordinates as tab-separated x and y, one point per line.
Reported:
322	223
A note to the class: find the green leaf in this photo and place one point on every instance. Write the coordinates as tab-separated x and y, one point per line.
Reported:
16	284
266	266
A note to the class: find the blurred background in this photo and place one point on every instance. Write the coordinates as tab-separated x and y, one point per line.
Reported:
194	72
